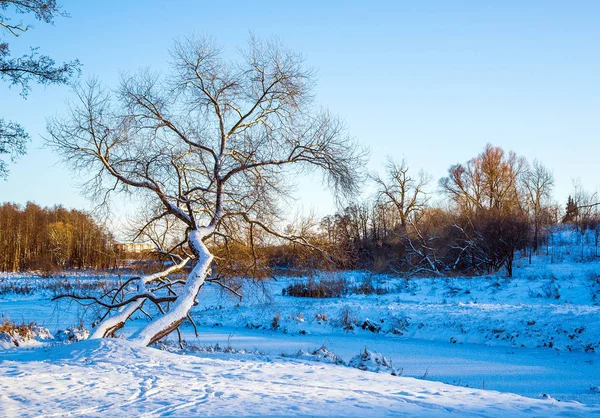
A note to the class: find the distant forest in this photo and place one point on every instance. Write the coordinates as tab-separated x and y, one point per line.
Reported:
49	238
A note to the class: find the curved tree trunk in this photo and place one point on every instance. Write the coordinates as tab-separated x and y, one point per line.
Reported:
110	325
167	323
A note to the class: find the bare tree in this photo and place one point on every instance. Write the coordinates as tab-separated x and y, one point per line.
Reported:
585	204
383	220
421	255
23	70
487	195
210	146
595	227
488	181
407	194
538	182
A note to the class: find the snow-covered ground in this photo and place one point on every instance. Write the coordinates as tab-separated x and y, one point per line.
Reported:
484	345
115	378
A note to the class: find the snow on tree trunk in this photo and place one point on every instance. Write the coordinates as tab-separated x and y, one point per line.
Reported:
164	325
108	327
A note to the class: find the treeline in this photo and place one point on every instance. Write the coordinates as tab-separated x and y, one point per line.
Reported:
51	238
476	219
485	211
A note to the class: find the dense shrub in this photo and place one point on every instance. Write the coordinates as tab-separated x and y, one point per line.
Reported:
14	335
321	288
13	329
333	287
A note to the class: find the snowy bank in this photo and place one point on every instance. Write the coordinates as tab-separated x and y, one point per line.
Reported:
114	377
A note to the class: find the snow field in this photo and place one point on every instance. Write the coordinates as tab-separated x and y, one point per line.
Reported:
115	377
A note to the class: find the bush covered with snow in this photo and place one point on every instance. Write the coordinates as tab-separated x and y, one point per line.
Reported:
15	335
321	354
373	362
72	334
25	335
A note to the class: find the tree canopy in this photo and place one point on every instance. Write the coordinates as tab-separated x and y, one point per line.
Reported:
24	70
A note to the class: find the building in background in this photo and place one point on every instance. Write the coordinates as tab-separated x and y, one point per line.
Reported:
134	247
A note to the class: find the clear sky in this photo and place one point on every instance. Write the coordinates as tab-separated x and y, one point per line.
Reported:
431	81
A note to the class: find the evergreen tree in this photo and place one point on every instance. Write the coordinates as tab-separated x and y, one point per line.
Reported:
571	211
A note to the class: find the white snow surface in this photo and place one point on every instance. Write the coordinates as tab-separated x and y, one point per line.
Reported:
117	378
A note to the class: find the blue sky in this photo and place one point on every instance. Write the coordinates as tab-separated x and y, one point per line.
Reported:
431	81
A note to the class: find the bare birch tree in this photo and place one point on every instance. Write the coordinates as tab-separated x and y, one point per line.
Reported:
210	146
